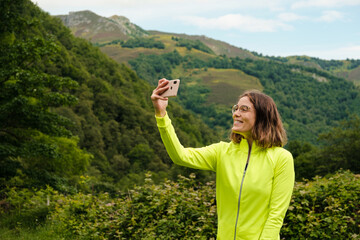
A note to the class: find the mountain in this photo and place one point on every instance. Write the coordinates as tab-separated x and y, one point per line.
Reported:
97	29
100	30
88	25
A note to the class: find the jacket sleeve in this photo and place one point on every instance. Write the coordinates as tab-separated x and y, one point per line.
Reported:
283	184
199	158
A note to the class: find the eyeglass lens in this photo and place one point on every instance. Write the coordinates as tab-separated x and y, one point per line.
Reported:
242	108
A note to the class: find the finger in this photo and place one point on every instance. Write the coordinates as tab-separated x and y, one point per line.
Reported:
163	98
163	82
155	97
160	89
156	94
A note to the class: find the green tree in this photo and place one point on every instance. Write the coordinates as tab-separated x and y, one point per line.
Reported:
143	42
338	150
31	134
342	146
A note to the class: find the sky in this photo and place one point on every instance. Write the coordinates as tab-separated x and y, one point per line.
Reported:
325	29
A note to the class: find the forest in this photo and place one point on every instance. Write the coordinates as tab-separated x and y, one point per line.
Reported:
81	157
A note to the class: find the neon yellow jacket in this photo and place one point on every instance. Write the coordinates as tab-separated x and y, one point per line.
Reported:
253	188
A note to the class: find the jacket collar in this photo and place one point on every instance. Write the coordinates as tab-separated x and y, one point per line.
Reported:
243	146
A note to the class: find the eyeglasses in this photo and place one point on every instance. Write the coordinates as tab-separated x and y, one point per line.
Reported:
242	108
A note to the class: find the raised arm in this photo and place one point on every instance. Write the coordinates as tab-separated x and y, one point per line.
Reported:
200	158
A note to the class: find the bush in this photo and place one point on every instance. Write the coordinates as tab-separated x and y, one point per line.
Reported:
325	208
171	210
27	208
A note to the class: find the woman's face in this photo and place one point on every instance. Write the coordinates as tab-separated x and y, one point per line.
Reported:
244	117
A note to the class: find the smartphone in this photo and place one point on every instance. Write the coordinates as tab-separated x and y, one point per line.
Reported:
173	88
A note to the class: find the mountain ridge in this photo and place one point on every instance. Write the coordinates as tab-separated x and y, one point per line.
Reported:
87	24
101	34
103	30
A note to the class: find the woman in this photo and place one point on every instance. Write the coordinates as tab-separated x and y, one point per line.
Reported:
254	174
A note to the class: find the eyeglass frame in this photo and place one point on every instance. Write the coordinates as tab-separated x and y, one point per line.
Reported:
242	108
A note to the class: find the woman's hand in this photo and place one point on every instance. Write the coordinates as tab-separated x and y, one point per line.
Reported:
160	103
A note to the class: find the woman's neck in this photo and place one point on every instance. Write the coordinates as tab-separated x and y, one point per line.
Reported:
248	137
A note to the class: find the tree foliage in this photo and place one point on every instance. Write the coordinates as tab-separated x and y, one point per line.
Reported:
33	139
190	44
64	103
143	42
338	149
135	43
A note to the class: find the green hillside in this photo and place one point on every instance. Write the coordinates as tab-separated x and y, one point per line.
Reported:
310	101
67	110
124	54
348	69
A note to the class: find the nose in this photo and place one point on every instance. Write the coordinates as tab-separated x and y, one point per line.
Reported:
237	112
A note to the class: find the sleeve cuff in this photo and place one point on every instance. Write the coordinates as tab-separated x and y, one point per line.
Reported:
164	121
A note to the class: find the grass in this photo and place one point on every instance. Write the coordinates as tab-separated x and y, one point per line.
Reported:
45	232
226	84
122	55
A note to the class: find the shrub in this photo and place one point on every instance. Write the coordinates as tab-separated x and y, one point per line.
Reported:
325	208
171	210
27	207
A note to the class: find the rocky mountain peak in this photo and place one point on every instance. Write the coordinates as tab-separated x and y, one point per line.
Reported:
89	25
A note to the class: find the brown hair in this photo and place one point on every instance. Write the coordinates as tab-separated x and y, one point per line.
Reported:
268	130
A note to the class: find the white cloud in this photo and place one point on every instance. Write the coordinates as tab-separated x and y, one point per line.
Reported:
237	22
325	3
198	5
289	17
330	16
136	8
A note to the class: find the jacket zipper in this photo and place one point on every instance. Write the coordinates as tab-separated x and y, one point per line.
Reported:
241	186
